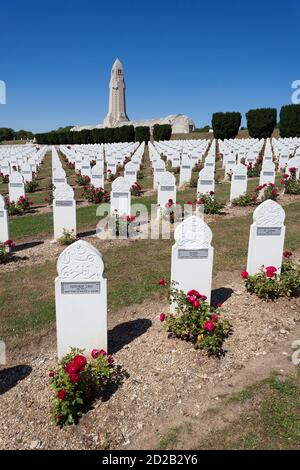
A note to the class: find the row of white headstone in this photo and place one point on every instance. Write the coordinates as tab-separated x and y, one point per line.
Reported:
80	285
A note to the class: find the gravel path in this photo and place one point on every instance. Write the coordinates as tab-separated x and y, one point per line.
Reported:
158	381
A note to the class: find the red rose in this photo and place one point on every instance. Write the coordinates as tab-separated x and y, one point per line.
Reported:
209	326
61	394
244	274
219	305
211	193
287	254
286	176
162	282
196	304
214	317
293	170
274	192
110	360
270	271
162	317
71	368
51	373
190	203
74	378
203	297
194	292
95	353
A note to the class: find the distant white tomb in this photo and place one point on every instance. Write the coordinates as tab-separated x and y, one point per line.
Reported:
64	210
206	180
266	240
80	299
16	186
120	197
238	181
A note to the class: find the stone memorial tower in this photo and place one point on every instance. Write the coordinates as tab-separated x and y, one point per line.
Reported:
117	108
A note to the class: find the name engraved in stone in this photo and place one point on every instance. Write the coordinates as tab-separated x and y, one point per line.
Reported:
193	254
268	231
80	288
64	203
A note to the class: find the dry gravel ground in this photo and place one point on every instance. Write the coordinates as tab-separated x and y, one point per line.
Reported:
158	382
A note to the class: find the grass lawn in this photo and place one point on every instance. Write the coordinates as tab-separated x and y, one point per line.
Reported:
149	260
266	417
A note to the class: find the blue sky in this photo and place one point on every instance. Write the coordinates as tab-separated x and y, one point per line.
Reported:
187	57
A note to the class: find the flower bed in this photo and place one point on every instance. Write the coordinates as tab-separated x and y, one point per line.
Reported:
172	212
136	190
246	199
67	238
95	195
269	191
290	182
268	284
76	382
196	321
83	180
211	205
5	253
31	186
4	179
19	207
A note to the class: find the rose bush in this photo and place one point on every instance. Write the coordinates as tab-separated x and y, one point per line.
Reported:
82	180
211	205
76	382
95	195
290	183
136	189
269	284
196	321
19	207
5	251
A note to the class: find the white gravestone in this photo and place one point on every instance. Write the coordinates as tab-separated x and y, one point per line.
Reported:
267	174
26	172
192	256
266	238
120	197
16	186
238	181
206	181
59	177
97	176
130	172
64	210
4	231
80	299
166	189
158	170
86	168
185	171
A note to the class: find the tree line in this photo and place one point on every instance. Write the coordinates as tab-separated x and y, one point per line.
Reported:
261	122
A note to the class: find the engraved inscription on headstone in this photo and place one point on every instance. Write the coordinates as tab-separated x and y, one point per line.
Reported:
120	194
206	182
193	254
239	177
80	287
268	231
167	188
16	185
63	203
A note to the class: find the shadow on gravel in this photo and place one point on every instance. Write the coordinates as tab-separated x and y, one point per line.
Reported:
88	233
219	296
9	378
25	246
126	332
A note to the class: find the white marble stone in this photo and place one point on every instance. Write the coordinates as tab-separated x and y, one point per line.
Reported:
130	173
80	299
192	256
206	180
16	186
266	240
238	181
185	170
97	176
166	189
64	210
267	174
120	197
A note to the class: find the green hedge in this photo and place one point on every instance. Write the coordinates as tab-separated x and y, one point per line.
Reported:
162	131
88	136
261	122
142	134
226	125
290	121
